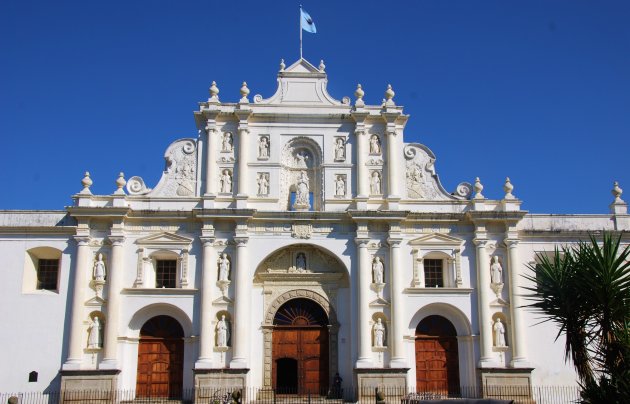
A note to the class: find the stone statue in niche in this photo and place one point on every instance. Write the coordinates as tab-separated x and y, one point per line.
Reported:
224	267
340	150
340	186
496	271
300	262
99	268
302	191
226	182
375	183
94	334
222	332
227	143
379	334
375	145
377	270
263	147
499	334
263	183
301	159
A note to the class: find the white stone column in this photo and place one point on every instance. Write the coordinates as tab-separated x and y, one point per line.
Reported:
362	173
392	165
364	269
115	275
485	318
211	160
242	162
81	270
242	303
398	314
519	347
206	331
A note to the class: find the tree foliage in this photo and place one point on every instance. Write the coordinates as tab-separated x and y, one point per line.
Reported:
585	290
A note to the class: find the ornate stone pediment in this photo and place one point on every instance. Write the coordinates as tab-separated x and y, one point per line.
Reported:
437	240
165	239
420	178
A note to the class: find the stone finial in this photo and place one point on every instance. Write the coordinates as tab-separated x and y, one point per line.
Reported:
617	191
282	65
359	93
244	94
322	66
389	95
508	188
214	92
120	183
87	183
478	189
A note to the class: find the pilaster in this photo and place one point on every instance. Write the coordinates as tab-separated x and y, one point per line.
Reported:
519	347
485	319
363	283
206	333
212	169
398	321
116	273
242	303
243	145
361	151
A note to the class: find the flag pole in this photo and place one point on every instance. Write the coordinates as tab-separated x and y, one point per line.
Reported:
300	32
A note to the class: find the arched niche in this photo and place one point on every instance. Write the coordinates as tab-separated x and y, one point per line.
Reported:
301	155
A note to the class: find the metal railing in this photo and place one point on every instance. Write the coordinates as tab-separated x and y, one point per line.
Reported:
338	395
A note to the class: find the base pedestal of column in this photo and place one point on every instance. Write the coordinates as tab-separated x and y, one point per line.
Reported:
488	363
238	363
361	201
364	364
210	383
208	201
520	363
241	201
108	364
81	385
204	364
391	382
393	202
399	363
507	384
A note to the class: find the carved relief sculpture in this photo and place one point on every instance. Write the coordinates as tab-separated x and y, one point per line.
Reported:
263	147
94	334
496	271
375	145
375	183
340	149
263	184
301	159
340	186
302	192
379	334
222	332
99	268
227	142
420	177
499	334
377	270
225	182
224	267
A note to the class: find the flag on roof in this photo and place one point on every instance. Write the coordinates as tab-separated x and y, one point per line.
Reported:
307	22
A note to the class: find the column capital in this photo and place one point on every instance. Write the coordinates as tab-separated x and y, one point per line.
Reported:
82	240
359	132
116	240
207	241
511	242
394	242
241	241
481	242
362	242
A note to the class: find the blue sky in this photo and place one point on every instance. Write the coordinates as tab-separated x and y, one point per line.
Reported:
535	90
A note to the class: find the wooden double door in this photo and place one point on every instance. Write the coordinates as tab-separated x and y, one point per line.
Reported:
300	349
437	356
160	359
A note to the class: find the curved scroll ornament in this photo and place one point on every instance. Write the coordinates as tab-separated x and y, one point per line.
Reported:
136	186
463	191
179	179
421	180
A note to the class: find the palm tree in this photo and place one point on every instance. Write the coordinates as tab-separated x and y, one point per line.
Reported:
585	291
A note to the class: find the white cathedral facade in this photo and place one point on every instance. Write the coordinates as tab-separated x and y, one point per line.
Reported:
297	237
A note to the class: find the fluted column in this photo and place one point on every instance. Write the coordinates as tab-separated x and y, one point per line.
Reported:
81	270
485	318
211	160
519	348
206	332
398	314
362	174
116	273
242	302
363	283
242	162
392	165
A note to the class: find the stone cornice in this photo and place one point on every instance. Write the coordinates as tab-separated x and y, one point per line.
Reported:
378	214
492	216
100	212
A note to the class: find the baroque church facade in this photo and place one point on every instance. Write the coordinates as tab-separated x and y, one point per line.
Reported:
295	238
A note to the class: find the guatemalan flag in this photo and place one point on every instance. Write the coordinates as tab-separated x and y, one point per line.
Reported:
307	22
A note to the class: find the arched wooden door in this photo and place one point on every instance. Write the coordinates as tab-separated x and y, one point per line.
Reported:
160	358
437	357
300	348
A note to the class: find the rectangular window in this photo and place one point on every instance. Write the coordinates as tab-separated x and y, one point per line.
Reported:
166	274
47	274
433	273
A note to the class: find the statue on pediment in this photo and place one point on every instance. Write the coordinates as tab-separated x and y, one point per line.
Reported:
300	262
302	191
